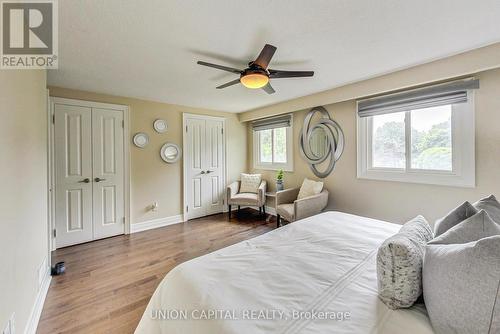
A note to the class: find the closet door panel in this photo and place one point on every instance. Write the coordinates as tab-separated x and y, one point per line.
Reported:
108	181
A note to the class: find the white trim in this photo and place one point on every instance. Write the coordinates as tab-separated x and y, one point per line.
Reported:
156	223
126	157
288	166
36	311
126	168
185	116
463	144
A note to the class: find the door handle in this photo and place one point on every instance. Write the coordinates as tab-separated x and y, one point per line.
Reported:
97	179
209	171
86	180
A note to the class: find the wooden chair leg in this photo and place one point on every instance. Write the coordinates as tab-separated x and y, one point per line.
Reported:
229	213
264	210
239	207
260	210
278	220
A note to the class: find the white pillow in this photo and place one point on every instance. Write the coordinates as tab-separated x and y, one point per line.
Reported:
250	183
310	188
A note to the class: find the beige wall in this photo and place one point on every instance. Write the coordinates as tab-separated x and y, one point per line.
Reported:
151	178
23	196
395	201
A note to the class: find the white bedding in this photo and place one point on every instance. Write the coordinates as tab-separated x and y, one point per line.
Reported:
325	263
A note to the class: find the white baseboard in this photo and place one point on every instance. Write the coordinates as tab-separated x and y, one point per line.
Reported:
155	223
36	311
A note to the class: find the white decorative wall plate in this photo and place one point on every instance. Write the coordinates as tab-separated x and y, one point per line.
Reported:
160	125
141	139
170	153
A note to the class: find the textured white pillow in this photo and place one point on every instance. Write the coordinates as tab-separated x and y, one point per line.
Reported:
399	264
310	188
250	183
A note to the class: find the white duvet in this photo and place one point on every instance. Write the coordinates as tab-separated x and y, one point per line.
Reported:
317	275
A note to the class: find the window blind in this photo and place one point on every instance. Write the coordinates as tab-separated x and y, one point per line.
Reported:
281	121
432	96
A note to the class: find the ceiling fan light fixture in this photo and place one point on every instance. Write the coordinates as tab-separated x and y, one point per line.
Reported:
254	80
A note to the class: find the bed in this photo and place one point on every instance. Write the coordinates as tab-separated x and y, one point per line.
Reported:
317	275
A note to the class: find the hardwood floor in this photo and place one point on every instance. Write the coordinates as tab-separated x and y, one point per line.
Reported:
109	282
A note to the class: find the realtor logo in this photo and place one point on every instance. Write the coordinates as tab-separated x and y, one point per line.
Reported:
29	34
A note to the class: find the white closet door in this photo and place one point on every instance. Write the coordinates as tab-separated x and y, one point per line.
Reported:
195	151
214	166
73	173
108	195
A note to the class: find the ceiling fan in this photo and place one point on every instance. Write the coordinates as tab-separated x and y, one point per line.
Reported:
257	75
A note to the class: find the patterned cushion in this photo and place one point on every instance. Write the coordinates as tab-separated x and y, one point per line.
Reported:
250	183
491	206
310	188
473	228
399	264
455	216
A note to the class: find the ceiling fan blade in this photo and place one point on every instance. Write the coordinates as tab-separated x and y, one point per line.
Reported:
276	74
268	88
220	67
265	56
230	83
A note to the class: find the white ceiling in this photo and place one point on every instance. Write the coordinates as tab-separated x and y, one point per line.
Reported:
148	49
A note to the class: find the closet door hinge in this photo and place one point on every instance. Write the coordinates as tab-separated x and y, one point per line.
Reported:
53	119
186	128
222	130
123	123
187	208
54	233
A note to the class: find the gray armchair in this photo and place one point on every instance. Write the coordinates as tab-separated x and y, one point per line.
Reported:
234	197
291	209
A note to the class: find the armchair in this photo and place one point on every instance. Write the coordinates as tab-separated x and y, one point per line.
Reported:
291	209
234	197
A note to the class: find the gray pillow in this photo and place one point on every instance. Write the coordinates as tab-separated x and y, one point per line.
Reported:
461	286
491	206
455	216
399	264
473	228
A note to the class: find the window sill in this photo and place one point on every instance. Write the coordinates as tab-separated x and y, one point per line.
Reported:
440	179
286	168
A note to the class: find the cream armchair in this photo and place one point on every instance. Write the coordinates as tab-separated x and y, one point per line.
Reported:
291	209
234	197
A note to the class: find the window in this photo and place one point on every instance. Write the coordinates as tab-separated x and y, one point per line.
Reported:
421	136
272	141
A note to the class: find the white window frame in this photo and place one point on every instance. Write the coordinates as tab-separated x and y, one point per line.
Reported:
463	152
288	166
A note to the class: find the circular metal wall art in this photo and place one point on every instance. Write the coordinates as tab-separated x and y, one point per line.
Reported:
321	141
